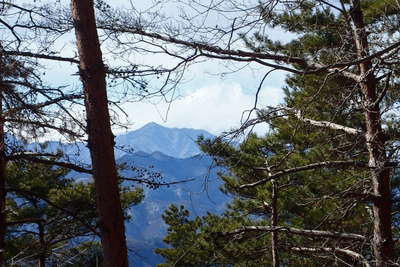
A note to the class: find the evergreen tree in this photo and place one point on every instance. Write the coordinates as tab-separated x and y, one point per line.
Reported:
52	219
100	137
316	189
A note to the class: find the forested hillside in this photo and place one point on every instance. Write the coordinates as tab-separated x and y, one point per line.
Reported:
309	180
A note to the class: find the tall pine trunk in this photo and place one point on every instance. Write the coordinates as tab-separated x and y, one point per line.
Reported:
42	255
274	223
3	191
3	162
101	139
375	138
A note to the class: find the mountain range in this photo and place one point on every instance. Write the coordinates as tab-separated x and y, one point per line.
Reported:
174	154
174	142
152	137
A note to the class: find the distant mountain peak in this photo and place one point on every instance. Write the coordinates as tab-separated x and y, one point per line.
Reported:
169	142
156	125
152	125
160	156
153	137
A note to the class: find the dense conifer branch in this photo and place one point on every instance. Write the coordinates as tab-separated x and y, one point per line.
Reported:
25	221
51	203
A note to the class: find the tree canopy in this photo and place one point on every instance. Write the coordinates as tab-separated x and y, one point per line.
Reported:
51	217
319	187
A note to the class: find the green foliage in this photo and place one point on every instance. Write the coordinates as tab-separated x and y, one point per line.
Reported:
85	254
307	200
190	246
53	217
329	198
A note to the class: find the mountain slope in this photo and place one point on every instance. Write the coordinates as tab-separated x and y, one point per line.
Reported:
175	142
175	155
147	229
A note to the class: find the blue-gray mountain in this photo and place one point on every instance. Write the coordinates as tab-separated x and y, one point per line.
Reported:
174	142
174	154
146	230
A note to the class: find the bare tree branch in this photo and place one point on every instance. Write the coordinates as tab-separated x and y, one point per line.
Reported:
347	252
297	231
27	157
41	56
43	125
36	106
241	55
313	166
325	124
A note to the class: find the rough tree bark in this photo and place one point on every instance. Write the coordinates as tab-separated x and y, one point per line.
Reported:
274	223
3	191
101	139
42	255
375	139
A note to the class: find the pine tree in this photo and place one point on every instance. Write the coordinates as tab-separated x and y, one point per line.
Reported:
318	188
51	218
100	137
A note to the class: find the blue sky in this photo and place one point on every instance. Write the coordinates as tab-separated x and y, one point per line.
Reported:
206	100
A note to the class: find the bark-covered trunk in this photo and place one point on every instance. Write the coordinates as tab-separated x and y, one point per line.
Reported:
101	139
274	223
3	191
375	138
42	255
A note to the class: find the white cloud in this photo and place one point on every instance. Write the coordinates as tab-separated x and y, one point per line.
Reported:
215	108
